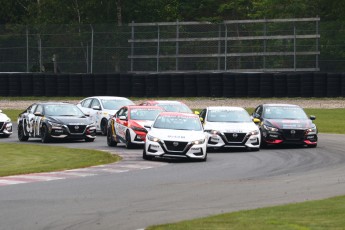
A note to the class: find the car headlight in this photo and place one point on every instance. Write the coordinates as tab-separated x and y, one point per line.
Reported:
198	142
135	128
214	132
255	132
154	139
53	124
311	130
270	128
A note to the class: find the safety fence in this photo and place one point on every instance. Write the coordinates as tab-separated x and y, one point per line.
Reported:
293	84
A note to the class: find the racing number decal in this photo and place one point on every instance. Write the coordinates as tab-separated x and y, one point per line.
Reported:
37	125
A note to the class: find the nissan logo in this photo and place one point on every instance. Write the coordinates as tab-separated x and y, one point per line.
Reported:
235	135
175	143
293	131
76	127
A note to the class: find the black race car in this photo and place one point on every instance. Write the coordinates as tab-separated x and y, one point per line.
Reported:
55	120
285	124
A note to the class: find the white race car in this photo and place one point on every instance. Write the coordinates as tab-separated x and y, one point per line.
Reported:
177	135
101	108
230	127
5	125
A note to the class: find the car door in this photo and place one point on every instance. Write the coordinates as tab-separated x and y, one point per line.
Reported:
96	112
36	122
28	119
121	122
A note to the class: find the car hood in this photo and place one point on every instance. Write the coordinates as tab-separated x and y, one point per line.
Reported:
289	123
70	120
231	127
176	135
4	117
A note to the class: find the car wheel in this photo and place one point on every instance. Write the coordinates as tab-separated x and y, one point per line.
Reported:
145	156
104	124
21	134
87	139
110	140
45	138
128	143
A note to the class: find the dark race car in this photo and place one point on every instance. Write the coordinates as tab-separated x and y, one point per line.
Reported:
285	124
55	120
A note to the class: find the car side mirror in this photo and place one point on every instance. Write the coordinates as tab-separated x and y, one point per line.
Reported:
39	114
256	120
96	107
0	111
197	112
202	120
312	117
123	118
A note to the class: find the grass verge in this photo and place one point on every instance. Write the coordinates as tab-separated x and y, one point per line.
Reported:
22	159
323	214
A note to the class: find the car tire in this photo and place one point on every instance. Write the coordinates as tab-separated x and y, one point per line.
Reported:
45	137
21	133
110	141
104	124
145	156
128	142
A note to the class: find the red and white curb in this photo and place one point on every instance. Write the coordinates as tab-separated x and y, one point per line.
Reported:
129	163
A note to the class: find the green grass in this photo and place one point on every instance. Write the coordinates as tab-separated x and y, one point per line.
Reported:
324	214
22	159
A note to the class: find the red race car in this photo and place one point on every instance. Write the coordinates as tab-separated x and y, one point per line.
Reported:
169	106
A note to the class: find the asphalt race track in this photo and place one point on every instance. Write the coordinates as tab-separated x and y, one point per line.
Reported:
170	191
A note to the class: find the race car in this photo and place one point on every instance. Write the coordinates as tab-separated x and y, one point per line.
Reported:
176	135
230	127
55	120
102	108
285	124
128	125
169	106
5	125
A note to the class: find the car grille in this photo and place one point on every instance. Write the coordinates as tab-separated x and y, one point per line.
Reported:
289	135
76	128
232	137
175	145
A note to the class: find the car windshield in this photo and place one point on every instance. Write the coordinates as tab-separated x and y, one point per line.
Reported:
115	104
181	108
62	110
178	123
228	115
281	112
144	114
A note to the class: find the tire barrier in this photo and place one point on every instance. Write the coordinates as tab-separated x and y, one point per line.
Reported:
264	85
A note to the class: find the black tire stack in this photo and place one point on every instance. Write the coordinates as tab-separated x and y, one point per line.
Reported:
216	85
125	88
163	84
189	82
151	86
333	85
229	85
307	85
14	85
203	85
177	85
241	84
266	85
87	84
138	85
100	82
63	85
38	85
293	84
113	84
320	84
75	88
342	85
4	85
26	82
279	85
253	85
50	82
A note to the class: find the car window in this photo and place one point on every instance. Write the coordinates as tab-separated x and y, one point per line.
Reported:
86	103
95	102
182	108
227	115
32	108
178	123
62	110
144	114
112	104
284	112
39	109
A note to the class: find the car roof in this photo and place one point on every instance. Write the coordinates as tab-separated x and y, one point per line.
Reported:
277	104
108	97
53	103
144	107
225	108
166	102
179	114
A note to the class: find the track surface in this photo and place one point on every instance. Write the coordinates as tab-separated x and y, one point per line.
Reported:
169	191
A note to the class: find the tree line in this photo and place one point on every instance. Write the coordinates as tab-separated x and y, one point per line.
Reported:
125	11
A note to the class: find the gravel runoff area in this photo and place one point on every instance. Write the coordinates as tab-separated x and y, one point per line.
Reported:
199	103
